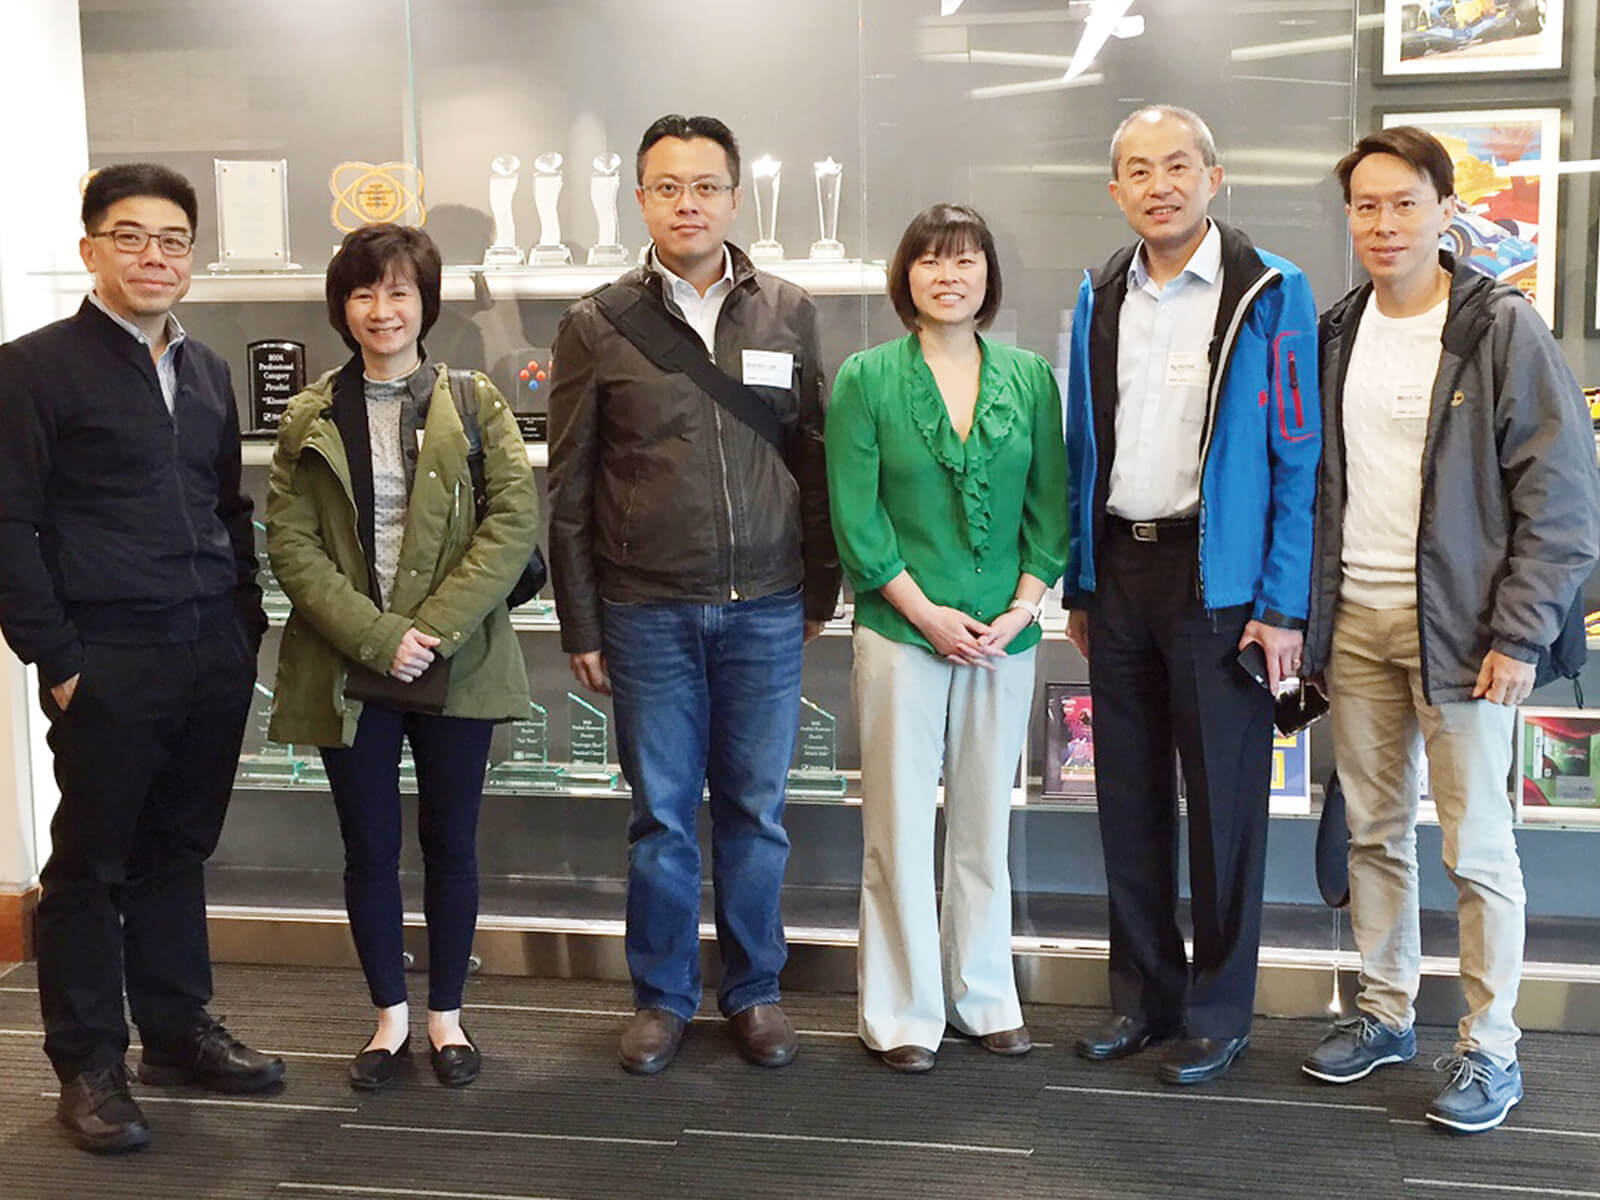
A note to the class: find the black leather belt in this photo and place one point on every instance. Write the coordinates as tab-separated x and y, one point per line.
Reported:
1166	529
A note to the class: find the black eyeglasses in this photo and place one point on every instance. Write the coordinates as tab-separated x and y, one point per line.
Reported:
132	240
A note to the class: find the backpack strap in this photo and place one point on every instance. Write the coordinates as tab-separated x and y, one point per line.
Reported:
464	391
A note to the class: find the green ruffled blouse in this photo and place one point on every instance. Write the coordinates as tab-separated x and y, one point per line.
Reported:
966	519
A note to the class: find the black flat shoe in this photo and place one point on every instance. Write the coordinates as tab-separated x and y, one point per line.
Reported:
372	1069
1200	1060
456	1066
1117	1037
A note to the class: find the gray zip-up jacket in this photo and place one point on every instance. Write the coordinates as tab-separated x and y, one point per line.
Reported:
1510	520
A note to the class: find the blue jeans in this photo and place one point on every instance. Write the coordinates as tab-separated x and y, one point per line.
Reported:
706	695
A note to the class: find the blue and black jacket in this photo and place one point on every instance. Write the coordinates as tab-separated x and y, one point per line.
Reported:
1260	443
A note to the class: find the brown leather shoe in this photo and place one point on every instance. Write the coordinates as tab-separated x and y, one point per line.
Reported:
764	1035
911	1060
1007	1041
651	1041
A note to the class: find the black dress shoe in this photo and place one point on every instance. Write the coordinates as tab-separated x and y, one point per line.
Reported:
765	1035
1117	1037
208	1055
651	1041
99	1114
1200	1060
909	1060
456	1066
371	1069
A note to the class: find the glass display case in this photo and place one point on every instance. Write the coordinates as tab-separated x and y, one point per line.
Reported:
871	109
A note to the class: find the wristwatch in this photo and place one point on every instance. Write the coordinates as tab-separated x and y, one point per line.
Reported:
1033	610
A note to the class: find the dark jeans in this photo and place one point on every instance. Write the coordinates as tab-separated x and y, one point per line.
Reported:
1163	672
450	753
706	695
144	758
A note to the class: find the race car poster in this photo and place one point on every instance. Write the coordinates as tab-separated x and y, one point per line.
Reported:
1505	223
1423	38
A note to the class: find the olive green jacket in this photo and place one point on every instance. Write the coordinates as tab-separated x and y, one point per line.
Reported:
452	580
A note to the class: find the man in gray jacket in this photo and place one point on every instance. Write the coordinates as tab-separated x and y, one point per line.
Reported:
1458	517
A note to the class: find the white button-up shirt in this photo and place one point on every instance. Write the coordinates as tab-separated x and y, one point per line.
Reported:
167	364
1163	374
700	311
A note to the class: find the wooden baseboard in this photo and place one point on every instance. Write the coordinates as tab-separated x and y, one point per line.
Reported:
16	925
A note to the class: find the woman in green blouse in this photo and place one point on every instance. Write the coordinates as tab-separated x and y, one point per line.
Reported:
947	480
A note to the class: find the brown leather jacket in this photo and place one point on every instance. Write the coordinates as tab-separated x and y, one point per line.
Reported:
658	494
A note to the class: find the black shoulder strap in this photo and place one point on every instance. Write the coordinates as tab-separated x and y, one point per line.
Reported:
655	336
464	391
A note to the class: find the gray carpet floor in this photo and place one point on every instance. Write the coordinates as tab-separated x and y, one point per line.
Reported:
554	1118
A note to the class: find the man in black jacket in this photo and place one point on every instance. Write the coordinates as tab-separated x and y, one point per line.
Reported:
129	580
691	558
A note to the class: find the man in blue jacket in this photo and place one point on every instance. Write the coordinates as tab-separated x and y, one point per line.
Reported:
1193	437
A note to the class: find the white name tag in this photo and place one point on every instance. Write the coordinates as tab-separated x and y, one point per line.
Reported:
1410	403
768	368
1187	368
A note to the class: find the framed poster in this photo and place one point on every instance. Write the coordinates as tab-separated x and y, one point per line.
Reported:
1486	39
1068	741
1505	223
1557	776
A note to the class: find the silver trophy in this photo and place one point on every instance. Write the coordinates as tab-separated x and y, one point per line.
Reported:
546	188
828	245
767	172
502	186
608	251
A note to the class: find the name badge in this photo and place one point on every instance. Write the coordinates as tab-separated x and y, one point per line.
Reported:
1410	403
768	368
1187	368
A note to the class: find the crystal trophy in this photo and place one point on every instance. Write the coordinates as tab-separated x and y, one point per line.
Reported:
262	762
828	246
546	188
502	187
815	771
527	766
273	601
608	250
767	172
590	748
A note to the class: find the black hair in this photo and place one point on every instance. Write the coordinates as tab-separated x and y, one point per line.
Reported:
675	125
366	256
122	180
1416	147
941	229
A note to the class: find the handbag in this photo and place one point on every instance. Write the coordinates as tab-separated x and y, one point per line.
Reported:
536	574
424	694
1333	847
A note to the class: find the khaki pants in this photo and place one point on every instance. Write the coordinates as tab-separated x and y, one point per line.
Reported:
918	966
1375	680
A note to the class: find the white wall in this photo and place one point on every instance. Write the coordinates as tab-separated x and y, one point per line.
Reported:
46	152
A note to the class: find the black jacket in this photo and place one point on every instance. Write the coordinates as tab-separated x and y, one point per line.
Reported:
1510	522
657	494
118	523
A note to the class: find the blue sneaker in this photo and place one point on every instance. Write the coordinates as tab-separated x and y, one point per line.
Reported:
1357	1046
1479	1094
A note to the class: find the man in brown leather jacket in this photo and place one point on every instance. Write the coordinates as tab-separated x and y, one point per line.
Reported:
691	560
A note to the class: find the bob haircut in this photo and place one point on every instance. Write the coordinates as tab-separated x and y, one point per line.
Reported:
367	254
943	229
1417	148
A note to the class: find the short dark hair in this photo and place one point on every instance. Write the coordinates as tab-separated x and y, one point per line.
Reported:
943	228
122	180
676	125
365	257
1417	147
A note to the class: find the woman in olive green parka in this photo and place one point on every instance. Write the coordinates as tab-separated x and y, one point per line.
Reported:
399	582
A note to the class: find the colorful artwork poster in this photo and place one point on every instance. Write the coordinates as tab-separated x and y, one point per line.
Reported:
1068	740
1558	761
1291	771
1431	38
1505	224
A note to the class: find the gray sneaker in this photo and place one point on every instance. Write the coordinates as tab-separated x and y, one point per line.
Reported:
1479	1094
1357	1046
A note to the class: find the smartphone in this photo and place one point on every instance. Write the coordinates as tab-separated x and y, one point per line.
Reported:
1253	662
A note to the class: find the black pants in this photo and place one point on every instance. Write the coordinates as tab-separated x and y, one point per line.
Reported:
1163	673
451	754
144	757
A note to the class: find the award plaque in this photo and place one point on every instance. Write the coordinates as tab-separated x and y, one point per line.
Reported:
277	371
815	771
608	250
590	745
502	187
828	245
369	193
527	766
767	174
546	190
273	601
527	390
263	763
252	216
